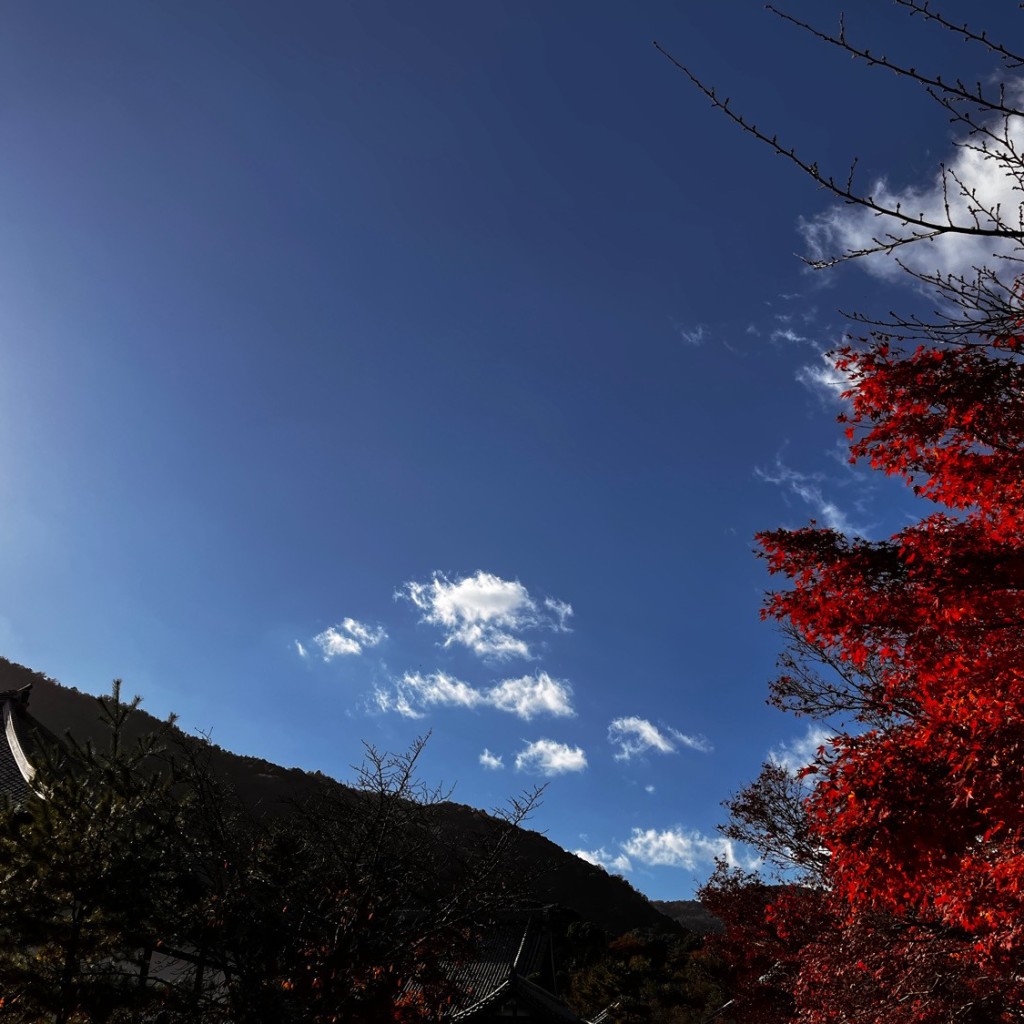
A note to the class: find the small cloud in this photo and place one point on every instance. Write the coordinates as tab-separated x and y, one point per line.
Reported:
601	858
562	612
334	643
439	688
806	486
699	743
484	613
525	697
532	695
368	636
397	702
349	637
636	736
823	380
649	788
547	757
671	847
976	186
302	652
799	753
695	335
679	848
492	762
789	336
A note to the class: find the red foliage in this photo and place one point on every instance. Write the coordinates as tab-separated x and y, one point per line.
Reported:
920	804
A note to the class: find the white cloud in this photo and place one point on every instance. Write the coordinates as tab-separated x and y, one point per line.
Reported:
302	652
547	757
396	701
561	610
823	379
368	636
532	695
334	643
493	762
484	612
525	697
807	487
636	736
694	335
671	847
799	753
440	688
991	182
700	743
788	335
678	848
348	637
649	788
601	858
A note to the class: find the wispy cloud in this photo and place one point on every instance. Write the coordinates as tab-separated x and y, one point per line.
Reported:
526	697
438	689
823	380
988	185
671	847
396	700
561	612
796	754
548	757
485	613
789	336
695	335
634	736
492	762
348	637
679	848
601	858
807	487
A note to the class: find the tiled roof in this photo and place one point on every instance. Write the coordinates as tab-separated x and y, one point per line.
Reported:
511	955
513	941
541	1003
15	768
12	782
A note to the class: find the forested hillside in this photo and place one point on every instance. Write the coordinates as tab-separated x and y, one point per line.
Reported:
294	890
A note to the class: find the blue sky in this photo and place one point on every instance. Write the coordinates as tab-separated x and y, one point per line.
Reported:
369	369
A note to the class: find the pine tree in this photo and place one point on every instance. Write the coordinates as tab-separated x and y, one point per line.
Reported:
84	883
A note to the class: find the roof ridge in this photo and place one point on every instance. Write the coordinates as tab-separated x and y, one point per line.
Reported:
13	741
20	694
522	945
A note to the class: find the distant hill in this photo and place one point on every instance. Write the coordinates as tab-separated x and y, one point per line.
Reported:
691	914
559	877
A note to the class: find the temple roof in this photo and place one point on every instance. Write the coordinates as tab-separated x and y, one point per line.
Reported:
511	963
16	769
513	941
541	1004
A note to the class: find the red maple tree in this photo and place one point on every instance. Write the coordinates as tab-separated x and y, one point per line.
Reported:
909	827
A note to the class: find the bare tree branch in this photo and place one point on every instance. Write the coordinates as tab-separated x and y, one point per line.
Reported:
988	117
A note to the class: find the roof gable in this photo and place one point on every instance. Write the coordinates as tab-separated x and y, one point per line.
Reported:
16	769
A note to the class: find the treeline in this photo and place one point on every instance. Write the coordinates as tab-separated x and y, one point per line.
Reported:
136	885
646	976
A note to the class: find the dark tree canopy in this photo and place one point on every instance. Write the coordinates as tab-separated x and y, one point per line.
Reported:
135	882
